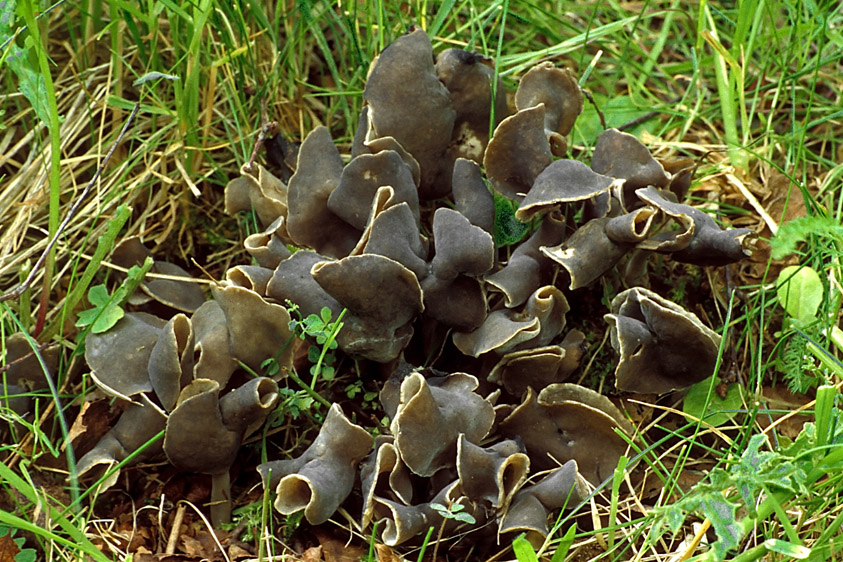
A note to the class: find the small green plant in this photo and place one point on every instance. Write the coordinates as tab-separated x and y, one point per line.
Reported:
108	309
455	512
324	331
702	403
370	399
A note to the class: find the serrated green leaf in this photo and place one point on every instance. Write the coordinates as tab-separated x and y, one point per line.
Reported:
720	410
800	292
524	550
722	515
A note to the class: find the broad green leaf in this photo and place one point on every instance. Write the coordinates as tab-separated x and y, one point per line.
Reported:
524	550
617	111
98	295
800	291
720	410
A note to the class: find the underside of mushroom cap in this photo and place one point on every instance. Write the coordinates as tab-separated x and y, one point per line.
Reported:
662	346
563	181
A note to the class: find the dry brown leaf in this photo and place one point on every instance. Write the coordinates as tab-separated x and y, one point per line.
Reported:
386	554
8	548
312	554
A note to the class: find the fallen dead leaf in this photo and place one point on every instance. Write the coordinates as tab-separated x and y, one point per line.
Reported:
312	554
8	548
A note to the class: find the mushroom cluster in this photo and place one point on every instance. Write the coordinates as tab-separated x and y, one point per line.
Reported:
402	237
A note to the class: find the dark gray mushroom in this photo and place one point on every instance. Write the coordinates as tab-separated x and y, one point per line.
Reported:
139	423
394	234
310	222
397	486
322	477
204	432
257	189
212	349
361	178
185	296
532	505
705	242
471	196
382	297
621	155
268	247
119	357
563	181
171	361
558	90
468	76
588	253
492	474
258	329
663	347
568	421
251	277
430	418
540	366
527	268
541	320
407	101
292	281
517	153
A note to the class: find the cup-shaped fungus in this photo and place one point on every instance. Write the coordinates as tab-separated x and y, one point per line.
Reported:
119	357
171	361
706	243
563	181
492	474
568	421
662	346
322	477
407	101
397	486
621	155
139	423
533	504
558	90
257	189
382	298
517	153
471	196
468	77
258	329
528	268
268	247
588	253
539	367
541	320
204	432
310	223
430	418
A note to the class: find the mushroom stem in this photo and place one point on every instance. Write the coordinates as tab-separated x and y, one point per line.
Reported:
220	499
